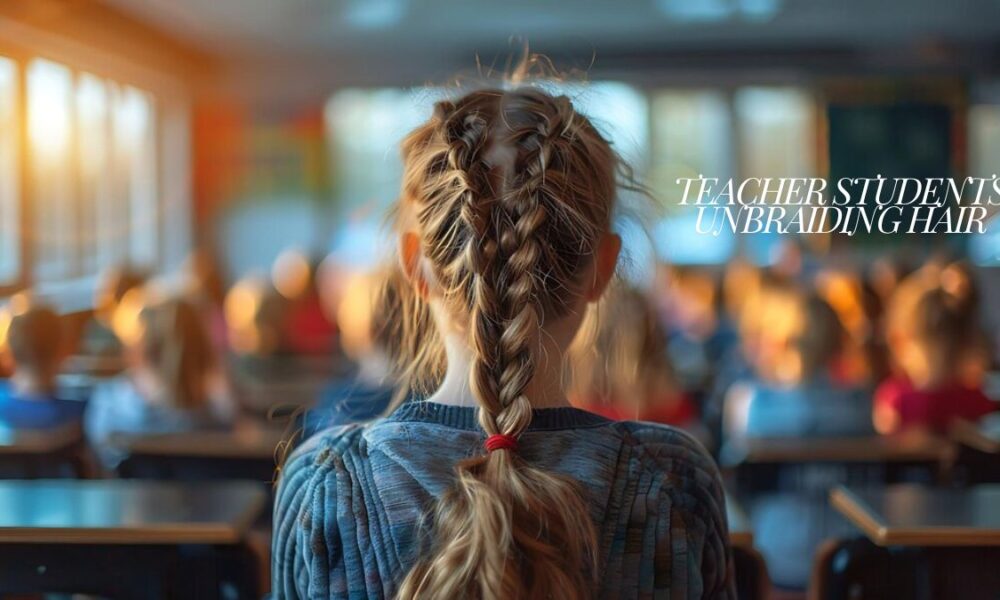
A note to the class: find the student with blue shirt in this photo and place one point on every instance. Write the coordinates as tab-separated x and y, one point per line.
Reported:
172	384
495	487
33	350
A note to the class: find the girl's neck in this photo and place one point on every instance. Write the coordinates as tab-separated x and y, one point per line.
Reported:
544	391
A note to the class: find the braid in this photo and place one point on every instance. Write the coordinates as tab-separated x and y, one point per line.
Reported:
511	198
524	216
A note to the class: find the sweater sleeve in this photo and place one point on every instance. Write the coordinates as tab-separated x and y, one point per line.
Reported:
309	544
295	523
693	486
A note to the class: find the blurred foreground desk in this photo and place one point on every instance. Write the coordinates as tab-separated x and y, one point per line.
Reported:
918	543
250	454
910	515
128	539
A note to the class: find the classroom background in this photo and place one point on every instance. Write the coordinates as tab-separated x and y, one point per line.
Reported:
195	248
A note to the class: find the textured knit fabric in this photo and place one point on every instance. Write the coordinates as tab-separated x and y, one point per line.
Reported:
351	500
347	401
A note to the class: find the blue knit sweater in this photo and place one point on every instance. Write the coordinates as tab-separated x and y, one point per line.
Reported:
351	499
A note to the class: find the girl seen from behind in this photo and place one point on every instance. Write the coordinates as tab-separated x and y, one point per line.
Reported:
31	345
172	382
494	487
939	353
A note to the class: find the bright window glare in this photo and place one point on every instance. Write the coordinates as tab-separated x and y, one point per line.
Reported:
93	144
620	113
50	105
692	135
49	86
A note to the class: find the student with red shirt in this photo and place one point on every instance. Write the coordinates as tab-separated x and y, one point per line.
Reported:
939	353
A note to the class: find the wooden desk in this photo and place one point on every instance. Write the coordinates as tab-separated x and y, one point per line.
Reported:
872	449
251	454
909	515
47	441
918	543
128	539
970	435
253	443
54	452
126	512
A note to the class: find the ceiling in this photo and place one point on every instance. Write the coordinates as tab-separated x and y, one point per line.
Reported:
284	51
274	28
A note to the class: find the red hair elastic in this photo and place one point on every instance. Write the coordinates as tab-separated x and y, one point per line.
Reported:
499	441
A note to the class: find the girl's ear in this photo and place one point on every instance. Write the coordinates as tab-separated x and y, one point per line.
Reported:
409	256
605	261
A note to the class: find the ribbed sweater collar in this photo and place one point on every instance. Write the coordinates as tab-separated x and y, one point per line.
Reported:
465	417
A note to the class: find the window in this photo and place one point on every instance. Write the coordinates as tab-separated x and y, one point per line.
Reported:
744	132
93	164
10	214
49	116
692	135
94	160
665	135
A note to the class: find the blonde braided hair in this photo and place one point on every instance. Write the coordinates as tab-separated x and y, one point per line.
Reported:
512	192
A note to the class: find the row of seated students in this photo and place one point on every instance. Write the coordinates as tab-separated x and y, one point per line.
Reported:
172	380
809	354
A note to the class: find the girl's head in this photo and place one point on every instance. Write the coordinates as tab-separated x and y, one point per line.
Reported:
174	348
817	342
203	277
933	329
620	354
32	346
255	317
115	285
505	232
369	312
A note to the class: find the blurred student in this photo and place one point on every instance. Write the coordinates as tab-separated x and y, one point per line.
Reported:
620	366
863	359
32	348
801	393
495	487
309	330
368	313
938	347
99	339
172	383
689	311
255	318
205	286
